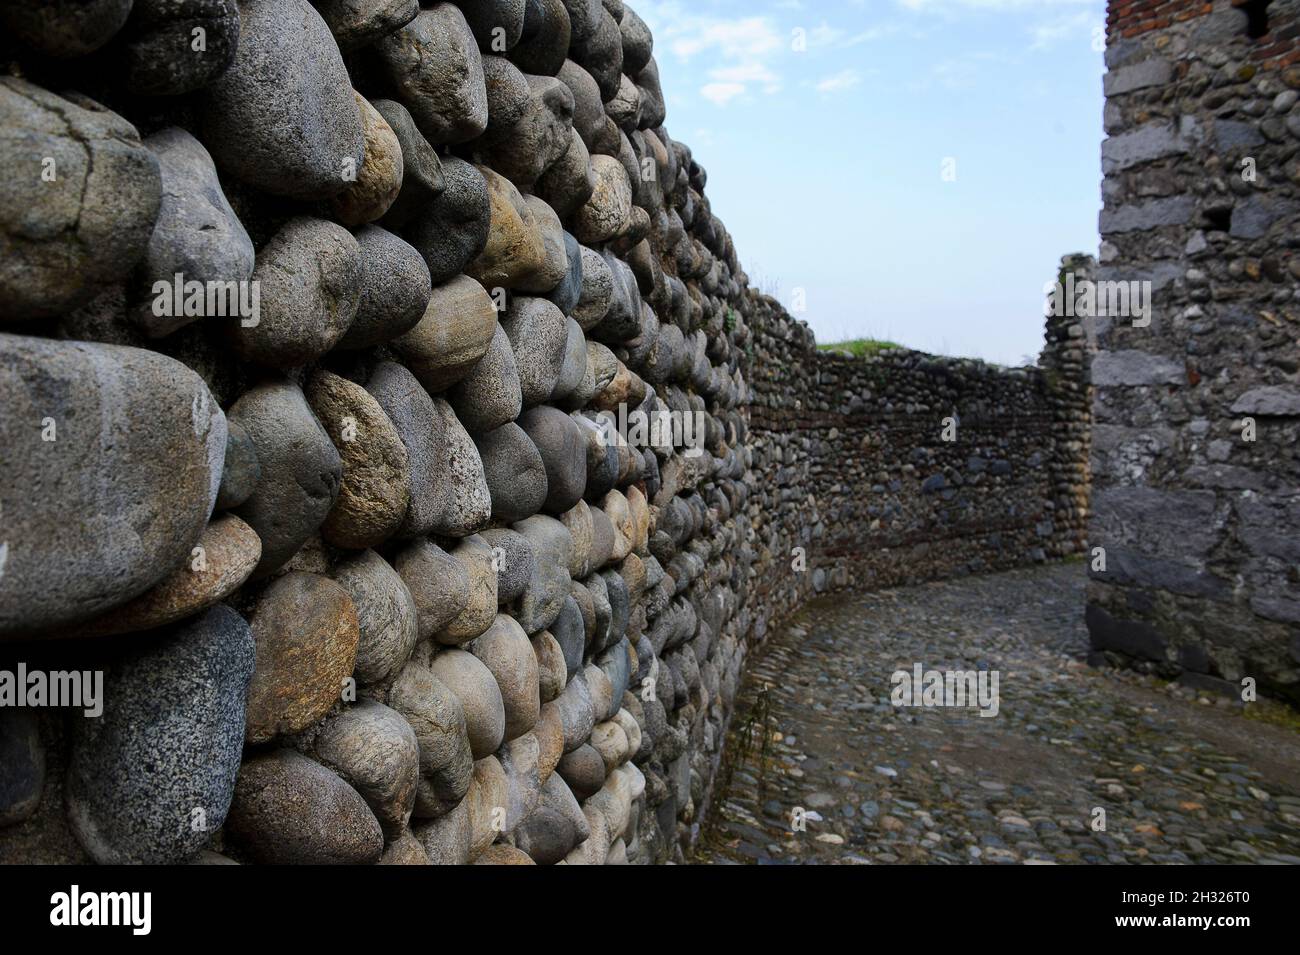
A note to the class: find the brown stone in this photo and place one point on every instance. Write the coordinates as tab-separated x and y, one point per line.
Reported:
230	552
606	213
305	628
503	855
616	508
453	335
640	508
405	850
290	810
375	490
515	251
477	558
550	739
379	179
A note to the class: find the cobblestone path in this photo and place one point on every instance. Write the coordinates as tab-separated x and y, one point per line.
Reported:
1181	777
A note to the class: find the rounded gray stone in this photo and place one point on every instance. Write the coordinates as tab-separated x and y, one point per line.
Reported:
357	23
395	289
597	290
516	476
505	650
449	494
241	472
476	688
65	239
588	108
301	470
490	394
197	235
539	337
309	275
567	293
529	123
283	117
433	63
387	618
583	770
552	548
375	751
126	448
514	562
422	176
495	23
451	229
438	582
601	54
290	810
569	631
564	453
151	779
158	44
569	181
638	44
544	43
557	825
65	28
437	718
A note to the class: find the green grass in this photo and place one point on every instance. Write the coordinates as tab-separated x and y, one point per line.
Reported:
1273	713
859	347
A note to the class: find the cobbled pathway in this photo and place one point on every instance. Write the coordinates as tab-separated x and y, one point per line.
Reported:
1181	778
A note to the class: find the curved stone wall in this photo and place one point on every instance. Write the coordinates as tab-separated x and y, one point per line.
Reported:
903	467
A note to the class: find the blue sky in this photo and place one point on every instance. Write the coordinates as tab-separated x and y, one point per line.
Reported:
826	163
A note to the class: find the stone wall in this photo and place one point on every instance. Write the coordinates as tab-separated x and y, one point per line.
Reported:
330	337
1197	414
903	467
367	576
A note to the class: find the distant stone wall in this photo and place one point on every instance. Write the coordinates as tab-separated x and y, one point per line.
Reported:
904	467
1197	415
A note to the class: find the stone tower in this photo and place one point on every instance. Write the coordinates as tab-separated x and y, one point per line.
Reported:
1196	502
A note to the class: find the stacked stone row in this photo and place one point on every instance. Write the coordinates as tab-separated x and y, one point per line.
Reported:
375	577
1065	362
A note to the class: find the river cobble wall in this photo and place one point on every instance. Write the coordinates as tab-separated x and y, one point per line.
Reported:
903	467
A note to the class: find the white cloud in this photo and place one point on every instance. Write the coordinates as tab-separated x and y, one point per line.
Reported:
740	51
752	71
1079	26
720	94
826	36
838	82
963	71
748	36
